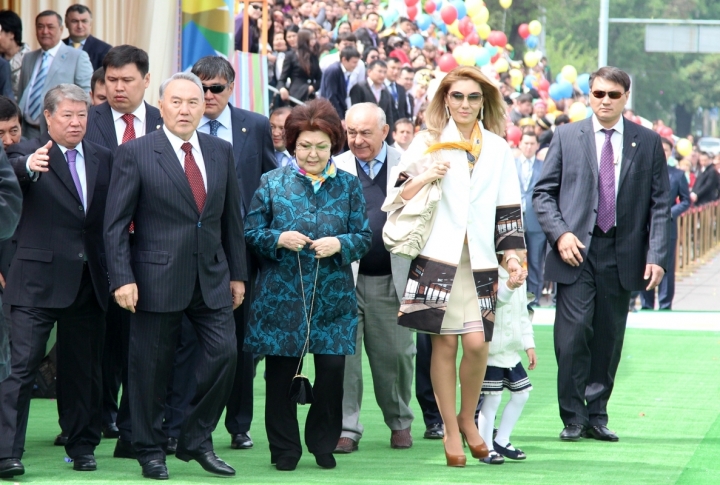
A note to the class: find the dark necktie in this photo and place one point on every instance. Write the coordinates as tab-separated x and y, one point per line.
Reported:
194	176
606	185
214	126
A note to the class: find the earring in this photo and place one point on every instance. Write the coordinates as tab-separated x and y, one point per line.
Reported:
447	112
482	112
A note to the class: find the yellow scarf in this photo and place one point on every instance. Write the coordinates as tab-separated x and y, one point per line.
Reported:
472	146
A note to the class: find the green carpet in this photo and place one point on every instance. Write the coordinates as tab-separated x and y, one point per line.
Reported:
666	409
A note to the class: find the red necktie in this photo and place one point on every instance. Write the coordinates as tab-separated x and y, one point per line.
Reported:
194	176
129	134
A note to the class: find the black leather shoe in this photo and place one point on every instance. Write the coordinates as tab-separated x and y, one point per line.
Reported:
241	441
155	469
111	431
60	440
209	461
325	460
286	463
434	432
514	454
11	467
600	433
124	449
171	446
84	463
572	432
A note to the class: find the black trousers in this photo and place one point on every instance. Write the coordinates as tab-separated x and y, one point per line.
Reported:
153	341
423	385
112	364
182	379
324	420
536	243
666	288
80	334
123	420
589	330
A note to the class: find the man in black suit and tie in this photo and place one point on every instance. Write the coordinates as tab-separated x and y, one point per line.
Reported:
397	92
707	184
602	201
407	80
180	189
336	79
78	19
373	90
58	274
123	117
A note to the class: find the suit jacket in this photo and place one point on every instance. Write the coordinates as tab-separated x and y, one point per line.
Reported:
409	106
55	235
361	93
566	200
69	66
707	186
6	88
299	79
175	246
399	109
10	198
95	48
101	126
679	197
334	89
400	266
530	222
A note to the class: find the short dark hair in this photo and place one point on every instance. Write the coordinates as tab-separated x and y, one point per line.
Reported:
372	13
48	13
402	121
704	153
97	77
376	62
349	53
317	115
530	133
280	111
210	66
408	69
347	37
562	119
392	59
11	22
524	98
667	141
9	109
122	55
77	8
612	74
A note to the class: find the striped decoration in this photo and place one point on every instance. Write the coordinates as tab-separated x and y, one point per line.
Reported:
207	30
251	81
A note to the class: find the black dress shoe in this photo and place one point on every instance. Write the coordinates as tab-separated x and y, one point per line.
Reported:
514	454
325	460
60	440
111	431
11	467
171	446
124	449
209	461
572	432
84	463
286	463
434	432
155	469
241	441
600	433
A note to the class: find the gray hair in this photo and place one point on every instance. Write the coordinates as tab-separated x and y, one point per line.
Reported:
382	120
188	76
61	92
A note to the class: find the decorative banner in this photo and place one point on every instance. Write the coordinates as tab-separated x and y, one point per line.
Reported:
251	82
207	30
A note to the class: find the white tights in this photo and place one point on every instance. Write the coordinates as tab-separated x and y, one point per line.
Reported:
510	416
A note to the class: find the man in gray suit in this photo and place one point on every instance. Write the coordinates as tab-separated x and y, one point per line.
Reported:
602	200
43	69
380	283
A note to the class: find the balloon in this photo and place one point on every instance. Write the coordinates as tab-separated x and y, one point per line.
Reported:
466	56
532	41
524	31
569	73
497	38
561	90
483	30
417	40
424	21
535	27
448	14
666	132
482	16
683	147
516	78
530	81
543	84
566	89
412	12
473	7
466	26
430	7
505	4
577	111
530	59
559	78
438	5
410	3
501	65
583	82
447	63
454	29
473	39
482	57
460	7
513	135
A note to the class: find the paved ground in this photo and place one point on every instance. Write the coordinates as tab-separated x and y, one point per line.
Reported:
700	291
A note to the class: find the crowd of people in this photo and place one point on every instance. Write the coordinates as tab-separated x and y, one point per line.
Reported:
175	247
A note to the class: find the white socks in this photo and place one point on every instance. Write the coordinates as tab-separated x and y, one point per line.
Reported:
486	418
511	414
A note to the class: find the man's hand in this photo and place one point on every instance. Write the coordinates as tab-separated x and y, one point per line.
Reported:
693	197
655	274
38	161
2	281
127	296
569	248
532	359
237	289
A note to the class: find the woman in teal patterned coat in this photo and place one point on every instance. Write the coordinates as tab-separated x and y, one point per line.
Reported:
306	215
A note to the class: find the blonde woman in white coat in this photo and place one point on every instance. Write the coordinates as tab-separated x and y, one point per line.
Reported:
452	284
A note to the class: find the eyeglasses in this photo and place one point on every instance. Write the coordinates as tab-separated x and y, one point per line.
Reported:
611	94
215	88
457	98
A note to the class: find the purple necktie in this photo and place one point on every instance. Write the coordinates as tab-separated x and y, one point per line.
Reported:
71	155
606	185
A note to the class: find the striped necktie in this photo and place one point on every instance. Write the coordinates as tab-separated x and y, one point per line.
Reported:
35	102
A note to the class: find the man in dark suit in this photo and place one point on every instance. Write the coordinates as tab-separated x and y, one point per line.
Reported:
78	19
529	169
396	90
602	201
124	117
679	200
707	184
58	273
373	90
407	80
180	189
335	80
368	33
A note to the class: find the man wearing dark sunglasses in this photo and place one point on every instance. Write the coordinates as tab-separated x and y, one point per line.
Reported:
602	201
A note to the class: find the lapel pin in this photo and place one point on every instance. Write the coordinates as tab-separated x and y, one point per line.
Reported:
633	144
157	127
244	130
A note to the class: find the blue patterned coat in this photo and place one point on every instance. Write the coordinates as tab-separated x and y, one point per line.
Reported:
285	202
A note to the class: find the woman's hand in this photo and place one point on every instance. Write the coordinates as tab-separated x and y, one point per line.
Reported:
532	359
437	170
284	94
325	247
516	280
293	240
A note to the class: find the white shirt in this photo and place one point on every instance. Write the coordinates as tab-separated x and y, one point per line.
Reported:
329	60
80	167
52	52
526	170
177	142
376	90
138	122
397	147
225	128
617	144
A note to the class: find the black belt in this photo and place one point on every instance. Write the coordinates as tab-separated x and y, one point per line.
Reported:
597	232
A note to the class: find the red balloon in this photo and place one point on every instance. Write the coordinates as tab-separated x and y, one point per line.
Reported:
666	132
513	136
466	26
429	7
496	38
410	3
524	31
448	14
543	85
447	63
472	38
495	58
412	12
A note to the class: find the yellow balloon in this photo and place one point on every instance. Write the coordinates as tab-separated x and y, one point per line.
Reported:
454	29
683	147
577	112
473	7
501	65
530	59
535	27
481	16
483	31
505	3
551	105
516	77
569	73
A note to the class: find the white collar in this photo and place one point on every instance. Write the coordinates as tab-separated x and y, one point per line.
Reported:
139	112
79	149
224	119
619	126
177	142
53	50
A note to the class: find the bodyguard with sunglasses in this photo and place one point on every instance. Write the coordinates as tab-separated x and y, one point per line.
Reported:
602	201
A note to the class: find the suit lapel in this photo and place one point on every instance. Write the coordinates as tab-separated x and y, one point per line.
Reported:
57	63
239	136
106	125
630	145
91	171
211	171
153	121
587	141
58	164
169	162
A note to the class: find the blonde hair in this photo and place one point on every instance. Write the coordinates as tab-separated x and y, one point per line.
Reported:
493	103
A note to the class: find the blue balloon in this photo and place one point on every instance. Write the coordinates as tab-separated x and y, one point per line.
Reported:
555	92
437	19
559	78
589	112
460	7
390	16
438	5
423	21
482	57
530	81
532	41
583	82
442	28
491	48
566	89
417	40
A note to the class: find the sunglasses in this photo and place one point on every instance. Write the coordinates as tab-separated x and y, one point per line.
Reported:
611	94
473	98
215	88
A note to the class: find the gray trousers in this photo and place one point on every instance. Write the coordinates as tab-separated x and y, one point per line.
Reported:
390	350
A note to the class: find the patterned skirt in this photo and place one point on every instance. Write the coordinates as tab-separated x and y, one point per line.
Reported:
514	380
